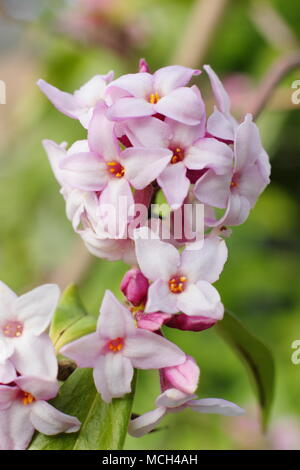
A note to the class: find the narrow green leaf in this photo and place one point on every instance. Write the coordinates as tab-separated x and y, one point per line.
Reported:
70	320
257	357
104	426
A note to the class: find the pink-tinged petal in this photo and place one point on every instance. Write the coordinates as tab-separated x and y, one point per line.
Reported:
48	420
148	350
251	184
113	375
85	171
143	165
137	84
209	153
201	299
157	259
8	394
35	355
144	66
35	308
7	372
55	154
172	398
66	103
40	388
213	190
264	166
151	321
147	132
134	286
220	94
6	348
79	146
85	350
101	136
92	91
171	106
115	320
7	301
16	430
187	323
183	135
174	184
216	406
146	423
205	263
237	211
160	298
183	377
221	125
247	144
171	77
126	108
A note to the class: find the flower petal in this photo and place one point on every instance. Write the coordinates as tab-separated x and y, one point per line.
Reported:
172	398
137	84
221	95
216	406
48	420
174	184
85	350
40	388
221	125
209	153
160	298
183	135
115	320
171	77
55	153
16	430
85	171
148	132
201	299
213	190
171	106
113	375
126	108
66	103
247	145
101	135
7	371
145	423
8	395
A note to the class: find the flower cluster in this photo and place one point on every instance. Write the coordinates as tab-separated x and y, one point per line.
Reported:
148	134
28	368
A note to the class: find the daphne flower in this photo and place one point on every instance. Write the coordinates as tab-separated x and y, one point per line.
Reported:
23	321
172	401
164	92
24	409
184	377
237	190
81	103
117	347
181	282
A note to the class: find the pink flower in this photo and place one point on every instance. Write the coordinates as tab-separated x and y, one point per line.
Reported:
23	321
237	190
181	282
172	401
190	150
24	408
135	286
164	92
81	103
117	347
184	377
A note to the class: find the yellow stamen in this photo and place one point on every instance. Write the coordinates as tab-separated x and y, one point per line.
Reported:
154	98
27	398
116	345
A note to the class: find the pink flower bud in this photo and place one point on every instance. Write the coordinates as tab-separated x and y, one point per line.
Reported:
183	377
143	66
135	286
190	323
151	321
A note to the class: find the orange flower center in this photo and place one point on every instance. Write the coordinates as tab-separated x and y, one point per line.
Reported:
154	98
178	155
116	344
177	284
13	329
116	169
27	398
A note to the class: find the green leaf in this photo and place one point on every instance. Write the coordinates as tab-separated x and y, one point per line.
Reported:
104	426
70	320
257	357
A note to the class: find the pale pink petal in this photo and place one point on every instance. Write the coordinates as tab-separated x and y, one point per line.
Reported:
55	154
66	103
251	184
237	211
137	84
85	350
35	355
6	348
221	125
101	136
8	395
113	375
130	108
40	388
157	259
205	263
36	308
184	377
7	302
216	406
7	371
247	144
172	398
146	423
209	153
85	171
151	321
201	299
160	298
183	135
48	420
213	190
148	350
92	91
115	320
171	77
174	184
16	430
147	132
143	165
171	106
221	95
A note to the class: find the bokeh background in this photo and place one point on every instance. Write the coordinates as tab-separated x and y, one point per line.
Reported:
67	42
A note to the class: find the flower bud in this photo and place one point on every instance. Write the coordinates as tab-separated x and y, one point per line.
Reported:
135	286
183	377
190	323
151	321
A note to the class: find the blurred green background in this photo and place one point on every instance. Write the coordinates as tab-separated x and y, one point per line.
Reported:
68	42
